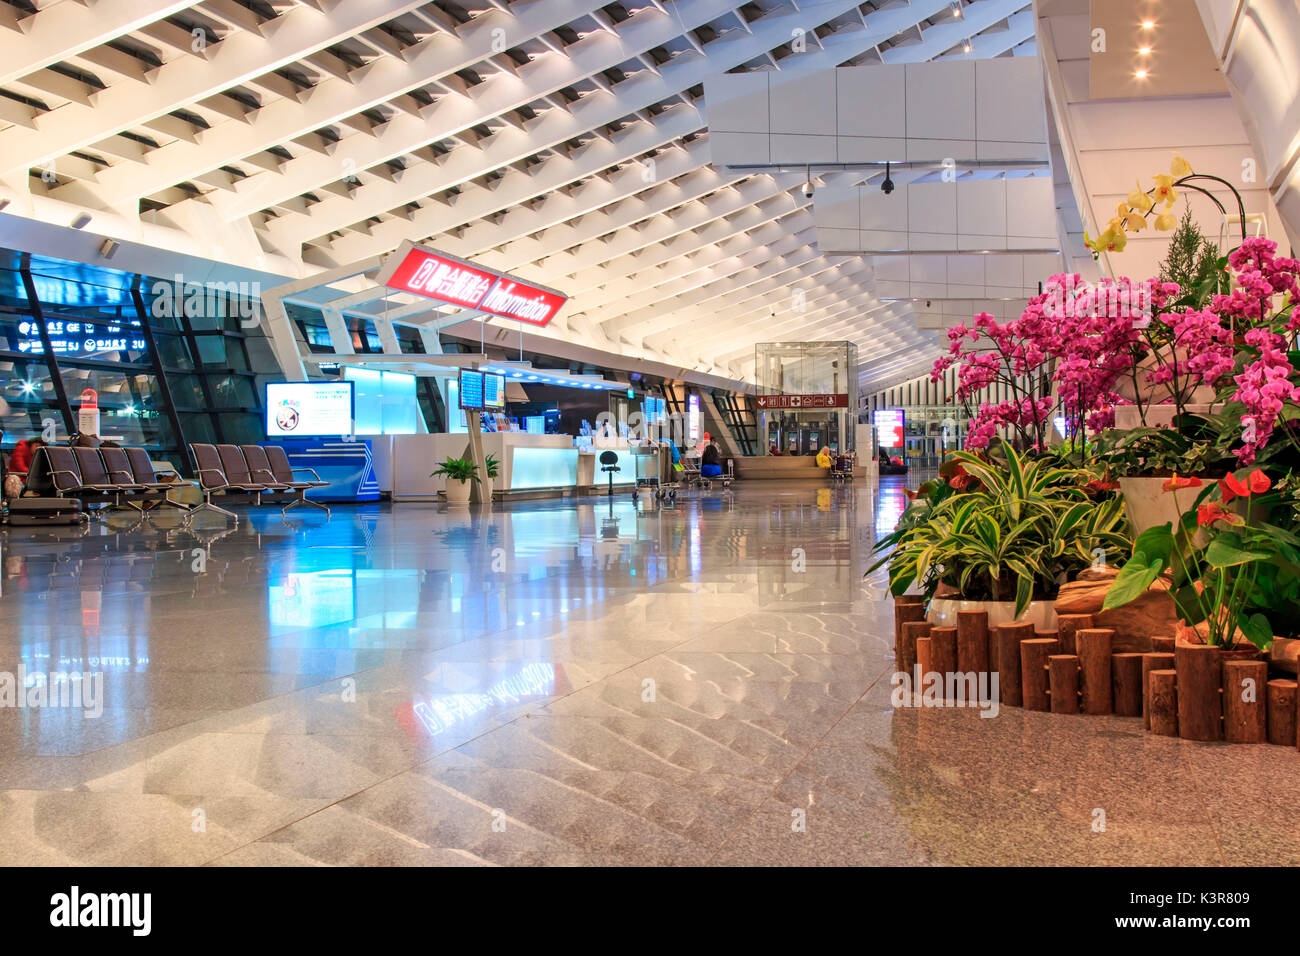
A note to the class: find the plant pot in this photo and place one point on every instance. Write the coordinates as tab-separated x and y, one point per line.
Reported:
1242	649
457	492
1149	505
943	612
1127	417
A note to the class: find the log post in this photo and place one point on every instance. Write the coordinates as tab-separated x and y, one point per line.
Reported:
973	642
1152	661
1063	671
1009	637
1033	671
1245	717
924	665
1164	703
907	608
1282	712
1126	684
1162	645
912	630
1200	710
1068	625
943	650
1094	668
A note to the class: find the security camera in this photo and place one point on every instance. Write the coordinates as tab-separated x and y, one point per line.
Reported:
887	186
808	190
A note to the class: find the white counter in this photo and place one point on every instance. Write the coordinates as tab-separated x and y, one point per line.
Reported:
527	463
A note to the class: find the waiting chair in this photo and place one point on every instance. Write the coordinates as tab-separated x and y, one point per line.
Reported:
143	472
271	460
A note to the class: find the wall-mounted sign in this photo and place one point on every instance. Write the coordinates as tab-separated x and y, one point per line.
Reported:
803	401
435	275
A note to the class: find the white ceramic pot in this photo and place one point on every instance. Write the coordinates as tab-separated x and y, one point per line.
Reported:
1149	505
943	612
1161	416
457	492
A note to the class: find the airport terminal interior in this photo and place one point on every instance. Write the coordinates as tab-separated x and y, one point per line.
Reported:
649	433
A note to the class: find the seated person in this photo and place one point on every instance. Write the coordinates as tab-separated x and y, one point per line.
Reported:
774	450
824	459
20	463
710	461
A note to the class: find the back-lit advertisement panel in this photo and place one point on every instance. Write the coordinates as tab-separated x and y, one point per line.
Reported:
298	409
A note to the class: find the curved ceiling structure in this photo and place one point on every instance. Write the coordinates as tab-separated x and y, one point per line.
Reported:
563	140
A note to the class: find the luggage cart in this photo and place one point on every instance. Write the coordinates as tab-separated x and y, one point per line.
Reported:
842	468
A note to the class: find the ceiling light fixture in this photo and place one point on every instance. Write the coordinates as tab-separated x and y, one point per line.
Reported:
1141	74
956	9
1148	24
1145	51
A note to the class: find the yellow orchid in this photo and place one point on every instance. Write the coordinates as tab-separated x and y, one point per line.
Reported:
1166	221
1112	240
1139	200
1180	167
1135	222
1164	191
1122	210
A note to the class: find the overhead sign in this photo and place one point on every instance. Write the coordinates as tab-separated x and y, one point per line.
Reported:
436	275
803	401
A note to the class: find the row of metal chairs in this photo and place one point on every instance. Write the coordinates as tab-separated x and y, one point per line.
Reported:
107	475
251	473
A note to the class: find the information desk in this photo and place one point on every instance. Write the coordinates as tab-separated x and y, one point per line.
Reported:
527	464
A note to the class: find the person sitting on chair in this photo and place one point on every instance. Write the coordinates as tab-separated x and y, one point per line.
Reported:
824	459
710	462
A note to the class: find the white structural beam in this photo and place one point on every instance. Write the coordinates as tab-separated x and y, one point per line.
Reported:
238	58
63	30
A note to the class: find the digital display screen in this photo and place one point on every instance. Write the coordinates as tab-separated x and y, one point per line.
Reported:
890	427
471	388
494	390
298	409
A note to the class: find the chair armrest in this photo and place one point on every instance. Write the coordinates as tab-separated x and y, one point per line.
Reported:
311	470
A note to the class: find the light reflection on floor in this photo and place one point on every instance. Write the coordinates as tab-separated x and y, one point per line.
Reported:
624	685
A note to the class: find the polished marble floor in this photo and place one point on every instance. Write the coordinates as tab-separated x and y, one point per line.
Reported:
553	683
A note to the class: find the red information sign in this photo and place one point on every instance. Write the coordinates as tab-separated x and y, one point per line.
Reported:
803	401
435	275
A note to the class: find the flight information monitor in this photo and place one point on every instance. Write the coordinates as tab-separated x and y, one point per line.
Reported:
471	389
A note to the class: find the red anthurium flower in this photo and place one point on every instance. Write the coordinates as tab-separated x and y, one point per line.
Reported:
1211	512
1176	482
1256	483
1225	491
1259	482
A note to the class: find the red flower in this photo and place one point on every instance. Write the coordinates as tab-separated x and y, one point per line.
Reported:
1098	485
1175	483
1256	483
963	481
1212	511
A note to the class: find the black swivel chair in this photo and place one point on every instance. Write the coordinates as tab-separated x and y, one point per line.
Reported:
609	464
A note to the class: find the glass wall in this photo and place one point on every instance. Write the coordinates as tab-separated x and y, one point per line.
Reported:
172	361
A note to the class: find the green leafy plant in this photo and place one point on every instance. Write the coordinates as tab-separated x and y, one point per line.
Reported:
456	469
492	466
1015	530
1234	570
1193	261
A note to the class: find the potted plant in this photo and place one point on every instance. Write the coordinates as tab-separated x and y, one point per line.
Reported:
458	472
1233	571
493	468
1003	538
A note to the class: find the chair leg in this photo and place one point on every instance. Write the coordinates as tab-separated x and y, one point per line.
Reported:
304	500
209	506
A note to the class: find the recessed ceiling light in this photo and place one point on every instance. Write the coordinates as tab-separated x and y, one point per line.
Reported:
1148	24
1144	50
1141	74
